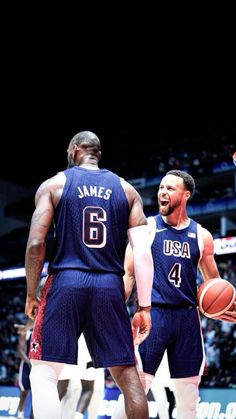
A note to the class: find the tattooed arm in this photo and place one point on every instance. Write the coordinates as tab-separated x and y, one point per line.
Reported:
46	200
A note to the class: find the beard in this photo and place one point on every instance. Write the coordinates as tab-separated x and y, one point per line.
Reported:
166	210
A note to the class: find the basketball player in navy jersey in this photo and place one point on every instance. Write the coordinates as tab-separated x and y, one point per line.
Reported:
24	332
179	247
93	211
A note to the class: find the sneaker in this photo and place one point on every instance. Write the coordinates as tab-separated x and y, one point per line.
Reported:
20	415
78	415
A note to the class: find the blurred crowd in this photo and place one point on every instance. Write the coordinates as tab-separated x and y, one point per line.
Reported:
197	158
11	312
192	154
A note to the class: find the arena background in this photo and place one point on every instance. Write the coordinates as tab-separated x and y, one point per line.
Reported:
33	152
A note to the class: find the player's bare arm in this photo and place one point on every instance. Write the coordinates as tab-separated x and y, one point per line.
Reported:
46	198
207	264
141	322
136	216
140	266
129	278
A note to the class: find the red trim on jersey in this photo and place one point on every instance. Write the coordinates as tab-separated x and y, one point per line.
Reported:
36	339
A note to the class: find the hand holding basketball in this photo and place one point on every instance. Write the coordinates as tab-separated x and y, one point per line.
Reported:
215	297
229	315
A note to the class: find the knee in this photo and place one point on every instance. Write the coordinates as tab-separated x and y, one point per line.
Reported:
87	385
186	400
186	394
191	396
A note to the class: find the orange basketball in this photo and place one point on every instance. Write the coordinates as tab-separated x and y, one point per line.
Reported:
215	296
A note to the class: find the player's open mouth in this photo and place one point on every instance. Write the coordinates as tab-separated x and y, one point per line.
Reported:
163	203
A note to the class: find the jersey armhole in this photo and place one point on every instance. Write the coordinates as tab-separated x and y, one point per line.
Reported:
200	240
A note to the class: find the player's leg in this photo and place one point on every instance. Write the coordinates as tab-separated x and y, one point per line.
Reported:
160	396
135	400
62	387
24	385
119	353
69	387
119	412
44	377
187	359
69	401
171	400
145	378
85	397
161	389
86	374
98	393
186	395
21	406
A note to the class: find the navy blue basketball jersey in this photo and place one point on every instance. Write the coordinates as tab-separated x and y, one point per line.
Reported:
91	222
176	254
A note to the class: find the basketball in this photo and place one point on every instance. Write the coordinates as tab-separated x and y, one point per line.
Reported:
234	158
215	296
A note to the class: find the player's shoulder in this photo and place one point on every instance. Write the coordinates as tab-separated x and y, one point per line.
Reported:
57	178
205	234
126	184
131	193
51	183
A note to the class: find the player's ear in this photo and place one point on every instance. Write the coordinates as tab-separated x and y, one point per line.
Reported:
187	194
75	147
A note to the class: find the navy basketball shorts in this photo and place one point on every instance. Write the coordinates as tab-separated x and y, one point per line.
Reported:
24	372
73	302
177	330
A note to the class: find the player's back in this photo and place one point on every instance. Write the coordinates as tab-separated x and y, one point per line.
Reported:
91	222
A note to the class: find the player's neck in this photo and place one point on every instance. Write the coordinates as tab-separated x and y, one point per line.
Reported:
88	161
179	222
90	166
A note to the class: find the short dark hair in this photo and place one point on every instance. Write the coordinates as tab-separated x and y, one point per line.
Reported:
189	182
87	139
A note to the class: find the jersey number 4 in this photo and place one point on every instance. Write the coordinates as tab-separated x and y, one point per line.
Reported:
175	275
